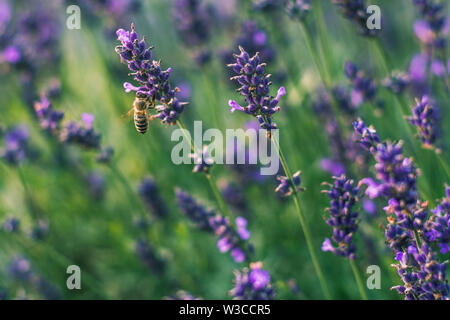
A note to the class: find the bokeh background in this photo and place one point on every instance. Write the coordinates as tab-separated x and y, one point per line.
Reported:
87	215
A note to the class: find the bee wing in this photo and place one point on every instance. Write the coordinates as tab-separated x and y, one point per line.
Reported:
128	115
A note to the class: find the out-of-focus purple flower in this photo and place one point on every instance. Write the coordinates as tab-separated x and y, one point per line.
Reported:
363	87
425	118
149	257
149	192
343	197
233	195
418	68
331	166
229	239
440	223
298	8
105	155
5	15
252	284
154	82
369	206
285	188
433	27
202	162
255	87
397	82
16	145
40	230
11	54
49	118
11	224
355	11
83	135
96	185
194	20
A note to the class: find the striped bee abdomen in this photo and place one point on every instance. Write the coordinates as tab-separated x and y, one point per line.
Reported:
141	121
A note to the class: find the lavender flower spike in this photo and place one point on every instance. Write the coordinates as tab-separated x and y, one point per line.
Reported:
255	88
343	197
252	284
153	82
425	118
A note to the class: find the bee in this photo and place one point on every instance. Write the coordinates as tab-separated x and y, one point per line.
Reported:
141	106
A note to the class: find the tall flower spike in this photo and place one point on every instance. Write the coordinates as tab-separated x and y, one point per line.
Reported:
82	134
343	197
355	11
410	231
228	239
49	118
255	88
153	82
425	118
16	145
252	284
149	192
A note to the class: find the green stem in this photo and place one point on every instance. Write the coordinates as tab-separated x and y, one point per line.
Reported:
358	279
212	182
28	198
303	224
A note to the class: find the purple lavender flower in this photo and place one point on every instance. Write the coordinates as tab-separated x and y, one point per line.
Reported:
397	82
153	81
16	145
233	195
96	185
423	275
363	87
255	87
149	257
425	118
11	224
229	239
49	118
105	155
202	162
40	230
252	284
149	192
285	189
83	134
193	20
343	197
433	28
298	8
439	230
355	11
334	167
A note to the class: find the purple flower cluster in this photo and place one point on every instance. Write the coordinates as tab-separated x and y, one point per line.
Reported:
11	224
16	145
252	284
363	87
149	192
298	8
229	239
439	223
96	184
410	232
355	11
193	20
255	87
425	118
49	118
154	82
423	275
285	188
433	28
203	162
398	82
83	134
20	269
343	197
149	257
233	195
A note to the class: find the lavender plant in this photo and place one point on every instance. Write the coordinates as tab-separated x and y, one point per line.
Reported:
252	284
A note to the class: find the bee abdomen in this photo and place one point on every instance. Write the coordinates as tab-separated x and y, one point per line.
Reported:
141	122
